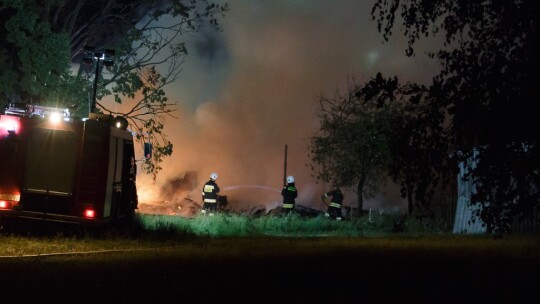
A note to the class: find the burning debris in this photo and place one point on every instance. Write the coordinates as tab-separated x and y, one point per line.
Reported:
174	198
181	196
184	207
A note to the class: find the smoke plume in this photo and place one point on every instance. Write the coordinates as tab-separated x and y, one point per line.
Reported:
254	87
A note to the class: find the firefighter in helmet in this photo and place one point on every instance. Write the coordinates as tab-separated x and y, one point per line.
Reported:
289	193
336	202
210	195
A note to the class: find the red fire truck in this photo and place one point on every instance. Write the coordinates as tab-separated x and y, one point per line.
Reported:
54	168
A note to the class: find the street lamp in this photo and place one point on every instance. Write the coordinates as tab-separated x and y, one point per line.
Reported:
92	57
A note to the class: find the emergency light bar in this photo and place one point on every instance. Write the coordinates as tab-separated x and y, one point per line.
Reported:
30	110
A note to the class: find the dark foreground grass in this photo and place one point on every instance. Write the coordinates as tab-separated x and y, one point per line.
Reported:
425	269
163	263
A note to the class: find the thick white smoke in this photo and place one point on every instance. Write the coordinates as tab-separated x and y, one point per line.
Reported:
253	88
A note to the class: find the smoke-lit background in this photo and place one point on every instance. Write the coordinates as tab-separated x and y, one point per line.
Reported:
254	87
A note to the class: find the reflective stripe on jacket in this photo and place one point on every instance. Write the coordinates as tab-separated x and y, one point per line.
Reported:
336	205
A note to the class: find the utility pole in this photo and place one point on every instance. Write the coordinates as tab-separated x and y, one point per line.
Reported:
91	57
285	168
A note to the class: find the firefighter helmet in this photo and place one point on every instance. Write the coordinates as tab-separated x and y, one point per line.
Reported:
213	176
290	179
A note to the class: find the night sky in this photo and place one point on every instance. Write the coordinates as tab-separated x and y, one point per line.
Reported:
250	89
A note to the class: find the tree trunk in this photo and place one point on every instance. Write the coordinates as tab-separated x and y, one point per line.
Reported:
410	199
360	189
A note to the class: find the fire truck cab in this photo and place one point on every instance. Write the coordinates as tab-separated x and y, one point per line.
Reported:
54	168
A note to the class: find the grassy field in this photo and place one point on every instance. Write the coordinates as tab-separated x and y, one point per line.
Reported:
292	259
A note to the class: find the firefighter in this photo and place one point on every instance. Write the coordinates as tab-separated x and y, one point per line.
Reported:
289	193
210	195
336	202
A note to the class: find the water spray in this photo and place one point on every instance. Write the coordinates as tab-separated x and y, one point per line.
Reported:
251	186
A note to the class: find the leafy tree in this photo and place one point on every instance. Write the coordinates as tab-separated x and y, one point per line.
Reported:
420	161
41	40
487	88
352	147
35	60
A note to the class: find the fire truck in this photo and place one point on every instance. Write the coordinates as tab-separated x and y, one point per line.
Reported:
56	168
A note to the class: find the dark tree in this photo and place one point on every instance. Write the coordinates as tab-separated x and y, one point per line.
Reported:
417	141
487	88
352	147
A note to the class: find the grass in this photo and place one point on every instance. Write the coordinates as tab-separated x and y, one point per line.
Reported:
226	224
167	258
152	232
